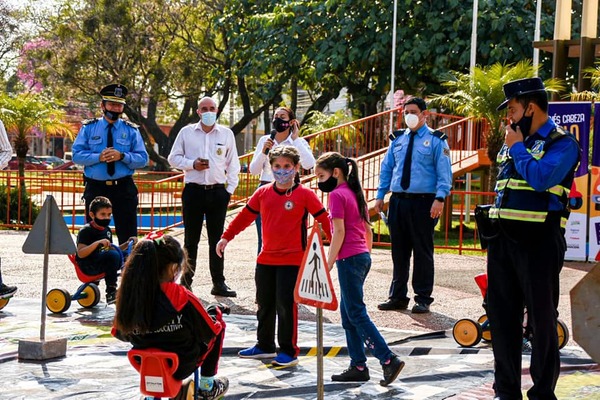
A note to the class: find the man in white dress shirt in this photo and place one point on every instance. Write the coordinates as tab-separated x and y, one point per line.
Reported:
207	154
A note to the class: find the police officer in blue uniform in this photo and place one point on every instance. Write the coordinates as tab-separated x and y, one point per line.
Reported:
111	149
536	170
417	170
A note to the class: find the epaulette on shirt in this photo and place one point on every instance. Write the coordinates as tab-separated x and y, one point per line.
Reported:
395	134
440	135
131	124
90	121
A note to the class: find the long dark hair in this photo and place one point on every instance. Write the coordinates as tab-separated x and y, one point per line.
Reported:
331	160
143	273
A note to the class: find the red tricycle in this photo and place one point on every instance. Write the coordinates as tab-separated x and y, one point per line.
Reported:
468	333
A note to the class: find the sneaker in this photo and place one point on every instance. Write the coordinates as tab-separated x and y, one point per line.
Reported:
352	374
111	297
420	308
391	370
256	353
220	387
526	346
7	291
285	360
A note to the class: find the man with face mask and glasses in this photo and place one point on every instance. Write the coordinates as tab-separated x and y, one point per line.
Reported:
207	154
536	170
111	149
416	169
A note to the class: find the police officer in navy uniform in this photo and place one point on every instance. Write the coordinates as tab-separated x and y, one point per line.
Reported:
111	149
417	170
536	170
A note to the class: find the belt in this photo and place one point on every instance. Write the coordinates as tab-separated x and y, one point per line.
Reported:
207	187
406	195
112	182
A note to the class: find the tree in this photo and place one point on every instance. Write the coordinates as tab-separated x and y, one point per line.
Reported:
9	26
593	73
29	113
479	94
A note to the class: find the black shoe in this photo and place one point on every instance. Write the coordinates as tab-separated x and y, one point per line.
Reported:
220	387
393	304
352	374
7	291
222	289
391	370
420	308
111	295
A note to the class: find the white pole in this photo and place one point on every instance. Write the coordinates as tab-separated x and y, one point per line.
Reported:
472	65
536	35
393	73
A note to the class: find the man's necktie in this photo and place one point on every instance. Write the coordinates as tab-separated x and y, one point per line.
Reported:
405	182
110	166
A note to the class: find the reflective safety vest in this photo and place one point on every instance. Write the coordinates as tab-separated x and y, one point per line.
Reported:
516	200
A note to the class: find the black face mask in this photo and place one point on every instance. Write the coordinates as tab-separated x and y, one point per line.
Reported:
280	125
328	185
102	222
111	115
524	123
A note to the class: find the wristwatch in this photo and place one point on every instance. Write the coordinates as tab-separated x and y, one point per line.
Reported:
122	156
440	199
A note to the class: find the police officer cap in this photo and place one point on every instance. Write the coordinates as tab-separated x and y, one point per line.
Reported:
520	87
115	93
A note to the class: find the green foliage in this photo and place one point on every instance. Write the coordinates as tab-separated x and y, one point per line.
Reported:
19	210
593	73
317	122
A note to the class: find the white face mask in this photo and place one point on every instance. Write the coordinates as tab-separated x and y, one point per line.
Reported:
411	120
209	118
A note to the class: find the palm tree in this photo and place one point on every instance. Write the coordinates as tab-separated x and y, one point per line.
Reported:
479	94
26	113
589	95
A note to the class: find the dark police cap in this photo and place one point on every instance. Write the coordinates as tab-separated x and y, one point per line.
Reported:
115	93
519	87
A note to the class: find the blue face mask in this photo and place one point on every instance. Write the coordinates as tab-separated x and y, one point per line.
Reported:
284	176
209	118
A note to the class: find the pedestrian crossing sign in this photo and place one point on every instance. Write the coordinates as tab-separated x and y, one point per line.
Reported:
313	286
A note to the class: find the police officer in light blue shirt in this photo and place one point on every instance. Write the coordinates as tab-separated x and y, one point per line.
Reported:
417	170
111	149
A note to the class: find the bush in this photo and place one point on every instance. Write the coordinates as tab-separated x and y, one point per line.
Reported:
27	207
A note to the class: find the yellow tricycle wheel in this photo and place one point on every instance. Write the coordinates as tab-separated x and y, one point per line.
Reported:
58	301
466	332
90	296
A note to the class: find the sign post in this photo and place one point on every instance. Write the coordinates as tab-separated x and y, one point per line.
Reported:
314	288
49	235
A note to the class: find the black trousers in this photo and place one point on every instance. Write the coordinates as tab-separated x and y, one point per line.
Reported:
525	273
199	204
411	232
275	286
124	199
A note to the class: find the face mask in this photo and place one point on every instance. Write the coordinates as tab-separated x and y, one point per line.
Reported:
524	123
328	185
209	118
102	222
411	120
284	176
111	115
280	125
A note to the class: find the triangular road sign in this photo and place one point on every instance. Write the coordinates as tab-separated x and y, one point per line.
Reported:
61	241
313	286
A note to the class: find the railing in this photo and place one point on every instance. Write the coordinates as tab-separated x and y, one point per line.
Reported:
159	207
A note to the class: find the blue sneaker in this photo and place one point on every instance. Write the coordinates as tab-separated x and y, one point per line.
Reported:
255	353
284	360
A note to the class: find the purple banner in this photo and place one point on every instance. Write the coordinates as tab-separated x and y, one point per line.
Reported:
596	148
575	117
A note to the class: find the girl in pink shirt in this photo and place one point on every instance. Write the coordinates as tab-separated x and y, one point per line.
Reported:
350	247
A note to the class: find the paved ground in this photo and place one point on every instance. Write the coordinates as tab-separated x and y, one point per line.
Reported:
436	367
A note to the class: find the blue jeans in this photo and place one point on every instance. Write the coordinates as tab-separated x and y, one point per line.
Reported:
360	330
